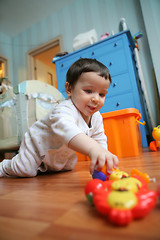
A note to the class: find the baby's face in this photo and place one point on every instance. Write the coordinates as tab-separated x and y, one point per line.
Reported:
89	93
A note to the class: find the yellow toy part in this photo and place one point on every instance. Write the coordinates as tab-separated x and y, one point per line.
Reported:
154	145
127	184
117	174
156	133
122	200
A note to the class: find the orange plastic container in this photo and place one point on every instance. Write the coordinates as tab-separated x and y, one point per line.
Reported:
82	157
123	132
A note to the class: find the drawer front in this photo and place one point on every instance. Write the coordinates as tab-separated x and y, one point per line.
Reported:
105	47
120	84
115	62
118	102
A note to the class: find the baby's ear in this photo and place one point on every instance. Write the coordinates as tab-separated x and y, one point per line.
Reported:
68	89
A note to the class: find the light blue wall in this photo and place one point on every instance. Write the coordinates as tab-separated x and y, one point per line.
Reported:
81	16
151	15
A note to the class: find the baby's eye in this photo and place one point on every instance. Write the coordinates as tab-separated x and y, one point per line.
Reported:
102	94
88	91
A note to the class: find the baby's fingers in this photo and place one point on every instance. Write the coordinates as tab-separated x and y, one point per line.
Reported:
109	164
100	163
115	161
93	165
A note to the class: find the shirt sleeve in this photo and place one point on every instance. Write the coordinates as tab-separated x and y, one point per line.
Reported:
99	134
64	122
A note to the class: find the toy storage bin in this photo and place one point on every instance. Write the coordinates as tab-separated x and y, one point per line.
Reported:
123	132
82	157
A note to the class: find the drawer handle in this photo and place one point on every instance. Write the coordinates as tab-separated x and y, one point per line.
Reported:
117	104
110	64
92	53
115	45
114	84
62	65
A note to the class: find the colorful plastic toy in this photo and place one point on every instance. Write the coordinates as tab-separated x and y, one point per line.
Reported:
121	198
154	145
136	36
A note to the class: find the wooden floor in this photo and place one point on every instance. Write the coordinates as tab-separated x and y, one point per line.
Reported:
53	206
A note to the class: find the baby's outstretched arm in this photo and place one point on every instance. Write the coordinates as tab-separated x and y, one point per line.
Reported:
97	154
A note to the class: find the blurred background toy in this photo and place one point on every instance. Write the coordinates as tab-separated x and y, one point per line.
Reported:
136	36
145	176
154	145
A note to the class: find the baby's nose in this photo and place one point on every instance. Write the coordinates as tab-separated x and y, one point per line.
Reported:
95	98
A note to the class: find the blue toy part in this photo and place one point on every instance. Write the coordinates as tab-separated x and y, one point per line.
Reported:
99	175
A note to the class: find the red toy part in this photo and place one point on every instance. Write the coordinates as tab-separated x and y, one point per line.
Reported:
91	187
96	185
146	201
120	217
99	200
153	146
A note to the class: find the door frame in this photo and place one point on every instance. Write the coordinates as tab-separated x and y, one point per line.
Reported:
5	61
37	50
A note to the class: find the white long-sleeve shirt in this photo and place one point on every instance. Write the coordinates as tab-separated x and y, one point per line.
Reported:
45	144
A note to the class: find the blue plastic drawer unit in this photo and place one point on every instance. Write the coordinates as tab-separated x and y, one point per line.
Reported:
116	52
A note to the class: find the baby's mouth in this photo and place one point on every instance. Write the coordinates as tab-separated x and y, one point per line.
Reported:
92	108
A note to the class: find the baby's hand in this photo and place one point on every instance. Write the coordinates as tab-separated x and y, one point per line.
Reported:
97	154
99	157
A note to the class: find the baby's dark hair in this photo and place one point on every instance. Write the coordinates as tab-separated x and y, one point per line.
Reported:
84	65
